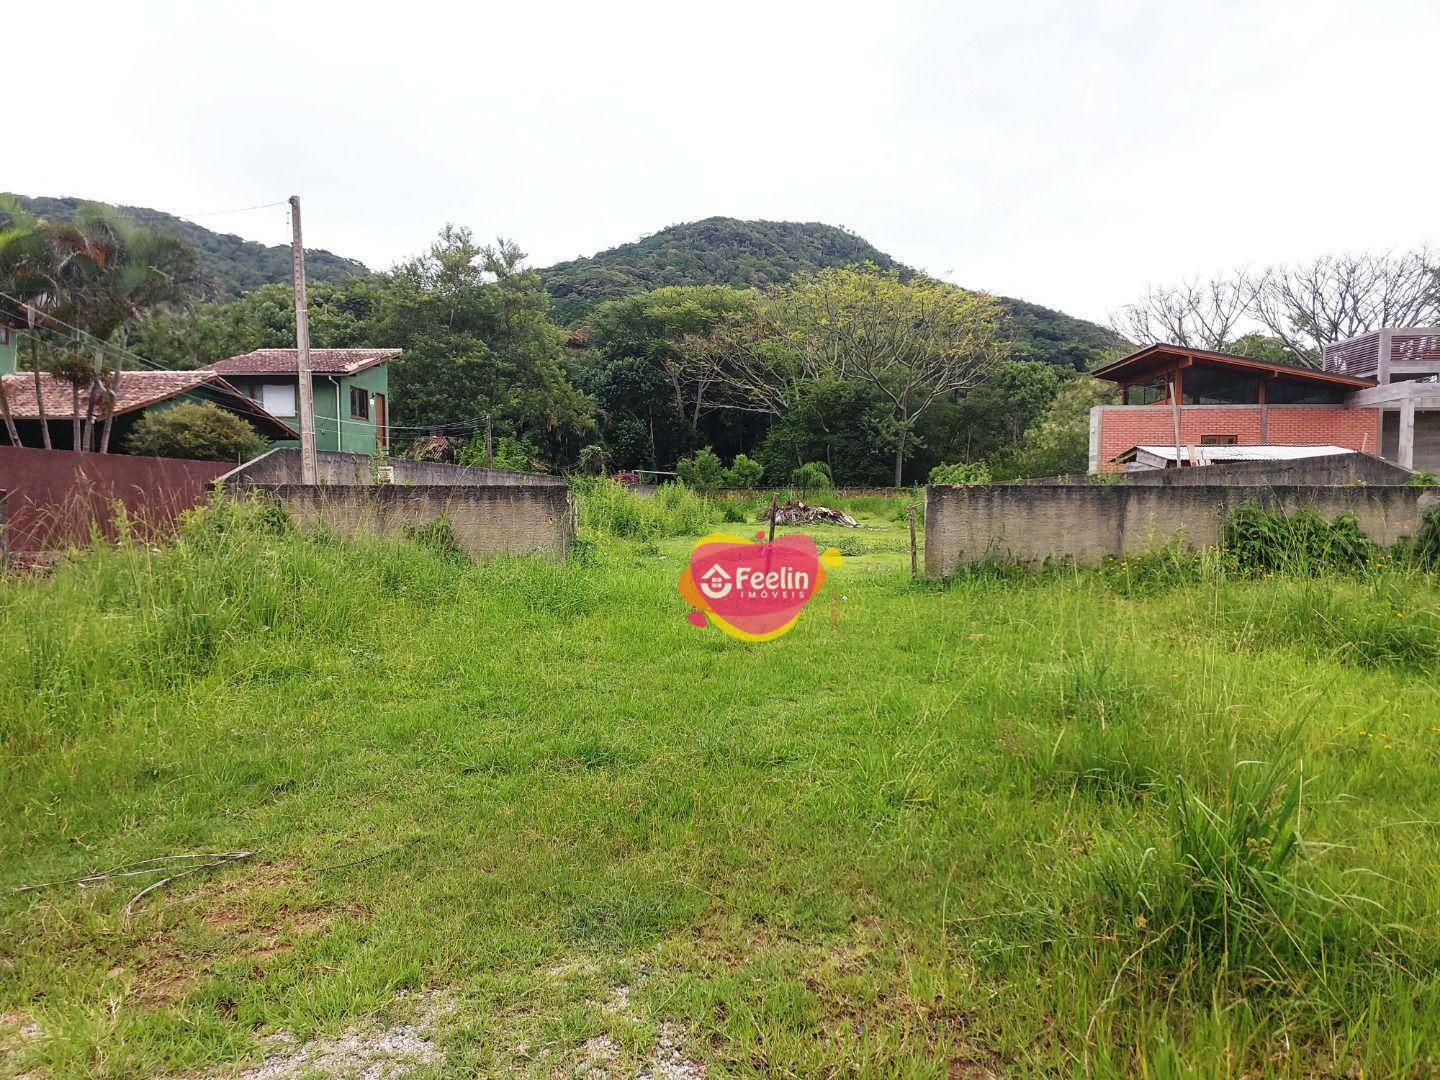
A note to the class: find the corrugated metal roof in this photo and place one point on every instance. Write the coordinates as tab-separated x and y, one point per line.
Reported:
1269	452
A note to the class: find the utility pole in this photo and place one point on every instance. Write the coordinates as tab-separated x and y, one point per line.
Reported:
489	445
302	350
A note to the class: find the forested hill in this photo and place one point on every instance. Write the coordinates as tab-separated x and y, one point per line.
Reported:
728	251
228	264
716	251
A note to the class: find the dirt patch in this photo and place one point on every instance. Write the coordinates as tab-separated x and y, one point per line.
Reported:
363	1052
17	1033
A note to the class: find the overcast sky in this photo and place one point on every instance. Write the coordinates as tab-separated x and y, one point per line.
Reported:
1066	152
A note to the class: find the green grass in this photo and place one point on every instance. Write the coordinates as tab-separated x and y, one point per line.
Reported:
1152	818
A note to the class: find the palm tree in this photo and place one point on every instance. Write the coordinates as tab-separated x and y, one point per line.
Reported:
24	256
98	272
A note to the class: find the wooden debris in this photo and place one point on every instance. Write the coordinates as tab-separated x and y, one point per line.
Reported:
799	513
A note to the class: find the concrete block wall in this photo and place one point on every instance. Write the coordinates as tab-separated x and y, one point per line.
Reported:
282	466
1119	427
1331	469
501	519
1085	522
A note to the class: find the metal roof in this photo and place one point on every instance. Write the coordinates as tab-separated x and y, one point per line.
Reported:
1269	452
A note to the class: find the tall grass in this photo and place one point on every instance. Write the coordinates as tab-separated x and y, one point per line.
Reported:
119	621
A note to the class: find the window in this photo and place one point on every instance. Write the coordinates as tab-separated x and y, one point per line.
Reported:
278	399
359	403
1209	386
1283	391
1218	440
1146	393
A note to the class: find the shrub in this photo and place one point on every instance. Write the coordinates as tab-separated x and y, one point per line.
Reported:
1426	549
197	430
963	472
701	471
437	534
744	473
1270	540
812	476
507	452
593	460
1422	479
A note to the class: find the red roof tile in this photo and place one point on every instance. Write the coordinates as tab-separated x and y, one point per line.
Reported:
322	361
137	390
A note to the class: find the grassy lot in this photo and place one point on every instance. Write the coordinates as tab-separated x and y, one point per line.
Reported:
523	818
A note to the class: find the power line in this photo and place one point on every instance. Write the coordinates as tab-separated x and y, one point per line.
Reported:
456	427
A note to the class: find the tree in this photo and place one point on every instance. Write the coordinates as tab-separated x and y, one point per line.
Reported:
99	273
198	430
1310	305
1060	442
1196	314
1304	306
913	342
478	340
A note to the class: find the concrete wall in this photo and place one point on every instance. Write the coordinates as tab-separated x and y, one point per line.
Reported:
1332	469
494	520
282	466
1088	521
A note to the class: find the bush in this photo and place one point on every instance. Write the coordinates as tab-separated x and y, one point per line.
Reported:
812	476
593	460
701	471
1269	540
507	452
964	472
744	473
197	430
1426	549
610	509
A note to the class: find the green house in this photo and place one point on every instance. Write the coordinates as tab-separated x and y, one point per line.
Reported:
351	388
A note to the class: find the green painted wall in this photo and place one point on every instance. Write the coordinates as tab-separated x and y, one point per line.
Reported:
350	435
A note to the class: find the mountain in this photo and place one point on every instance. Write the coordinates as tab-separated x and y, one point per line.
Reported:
728	251
716	251
229	264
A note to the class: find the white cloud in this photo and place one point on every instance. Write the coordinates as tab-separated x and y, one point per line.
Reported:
1069	153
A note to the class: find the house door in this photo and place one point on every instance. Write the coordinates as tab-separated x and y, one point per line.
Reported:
382	430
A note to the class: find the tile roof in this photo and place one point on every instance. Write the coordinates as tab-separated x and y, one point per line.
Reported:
137	390
322	361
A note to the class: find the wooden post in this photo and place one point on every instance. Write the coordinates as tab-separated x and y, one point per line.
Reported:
914	550
774	506
302	351
1175	413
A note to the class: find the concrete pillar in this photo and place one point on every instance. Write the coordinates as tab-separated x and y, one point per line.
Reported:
1405	455
1095	438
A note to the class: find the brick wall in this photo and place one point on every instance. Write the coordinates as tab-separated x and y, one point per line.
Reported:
1124	426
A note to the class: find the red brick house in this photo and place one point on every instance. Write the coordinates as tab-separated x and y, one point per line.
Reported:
1376	398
